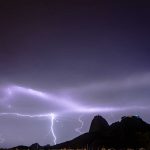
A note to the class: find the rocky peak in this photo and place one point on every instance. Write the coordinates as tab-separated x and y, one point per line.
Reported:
99	124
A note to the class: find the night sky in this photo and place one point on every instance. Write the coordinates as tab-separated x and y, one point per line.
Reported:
64	61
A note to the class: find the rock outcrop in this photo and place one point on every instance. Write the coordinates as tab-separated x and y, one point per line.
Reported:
99	124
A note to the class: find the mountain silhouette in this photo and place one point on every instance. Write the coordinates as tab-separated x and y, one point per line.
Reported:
130	132
122	134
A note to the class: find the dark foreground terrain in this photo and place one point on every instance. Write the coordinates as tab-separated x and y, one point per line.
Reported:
131	132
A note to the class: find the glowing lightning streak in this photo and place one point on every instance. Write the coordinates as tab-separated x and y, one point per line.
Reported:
52	117
52	127
82	123
71	106
14	89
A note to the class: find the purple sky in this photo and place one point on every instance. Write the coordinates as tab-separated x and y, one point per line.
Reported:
74	59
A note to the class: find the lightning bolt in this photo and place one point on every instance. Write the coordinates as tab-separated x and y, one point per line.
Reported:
71	106
82	123
52	117
52	127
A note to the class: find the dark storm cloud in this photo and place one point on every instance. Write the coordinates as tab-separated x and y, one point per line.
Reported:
76	40
89	52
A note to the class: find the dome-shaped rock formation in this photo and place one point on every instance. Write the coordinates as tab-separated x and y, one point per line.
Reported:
99	124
